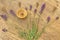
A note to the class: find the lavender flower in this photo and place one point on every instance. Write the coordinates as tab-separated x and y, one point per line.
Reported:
30	7
42	7
35	10
26	8
4	30
4	17
19	3
57	18
37	4
48	18
12	12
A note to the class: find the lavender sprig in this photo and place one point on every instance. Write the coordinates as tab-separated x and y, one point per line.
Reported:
4	30
48	19
42	7
35	10
57	18
4	16
30	7
12	12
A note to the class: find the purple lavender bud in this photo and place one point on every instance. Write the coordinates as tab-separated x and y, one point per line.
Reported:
57	18
12	12
48	18
42	7
19	3
26	8
30	7
4	30
37	4
4	17
35	10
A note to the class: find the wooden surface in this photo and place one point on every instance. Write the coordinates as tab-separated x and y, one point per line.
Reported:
52	31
